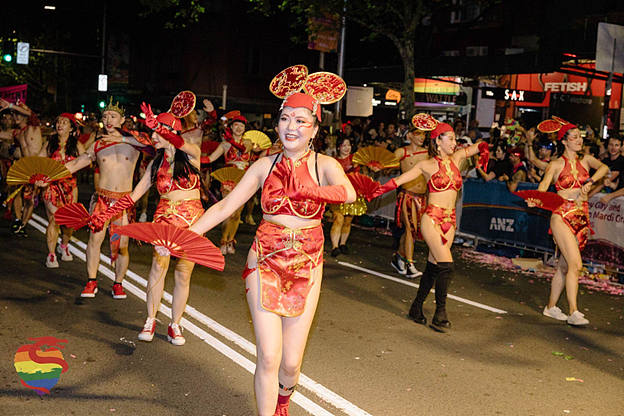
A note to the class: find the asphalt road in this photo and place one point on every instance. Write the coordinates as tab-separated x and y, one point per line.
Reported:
363	356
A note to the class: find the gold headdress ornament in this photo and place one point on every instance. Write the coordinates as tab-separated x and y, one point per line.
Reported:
318	88
116	108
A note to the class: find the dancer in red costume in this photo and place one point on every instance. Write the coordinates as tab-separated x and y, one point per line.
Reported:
175	171
344	213
237	153
284	266
28	135
569	223
411	203
438	221
62	146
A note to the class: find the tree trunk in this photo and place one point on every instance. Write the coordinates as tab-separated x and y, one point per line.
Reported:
408	97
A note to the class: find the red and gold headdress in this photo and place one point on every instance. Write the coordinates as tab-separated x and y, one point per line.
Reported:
319	88
556	124
425	122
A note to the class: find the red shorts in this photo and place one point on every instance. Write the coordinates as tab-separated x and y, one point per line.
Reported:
418	201
576	216
182	213
443	219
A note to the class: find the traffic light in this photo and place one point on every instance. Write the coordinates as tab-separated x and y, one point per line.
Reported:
8	51
102	104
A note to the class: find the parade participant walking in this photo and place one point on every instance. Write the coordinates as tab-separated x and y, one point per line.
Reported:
116	156
28	134
237	153
569	223
175	171
438	221
284	266
344	213
63	146
411	202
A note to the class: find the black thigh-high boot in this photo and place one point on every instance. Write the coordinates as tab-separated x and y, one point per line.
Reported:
427	280
445	270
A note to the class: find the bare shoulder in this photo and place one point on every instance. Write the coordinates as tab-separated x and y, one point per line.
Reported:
327	161
400	152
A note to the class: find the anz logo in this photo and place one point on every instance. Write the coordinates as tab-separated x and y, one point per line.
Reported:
502	224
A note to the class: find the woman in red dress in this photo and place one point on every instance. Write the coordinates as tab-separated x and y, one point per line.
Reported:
63	146
237	153
284	266
175	171
438	221
569	223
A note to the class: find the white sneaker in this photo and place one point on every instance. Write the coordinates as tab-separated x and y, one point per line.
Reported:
556	313
577	318
147	334
64	252
51	262
412	272
230	248
223	249
143	217
399	264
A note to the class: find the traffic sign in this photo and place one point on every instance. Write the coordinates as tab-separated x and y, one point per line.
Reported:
102	82
23	49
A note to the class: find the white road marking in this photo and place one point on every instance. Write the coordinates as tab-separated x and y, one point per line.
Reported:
321	391
404	282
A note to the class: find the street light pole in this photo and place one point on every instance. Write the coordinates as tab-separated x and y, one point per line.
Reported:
104	40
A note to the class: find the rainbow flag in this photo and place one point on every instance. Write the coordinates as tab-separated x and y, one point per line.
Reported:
37	376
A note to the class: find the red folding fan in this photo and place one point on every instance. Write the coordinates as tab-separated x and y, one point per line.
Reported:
546	200
72	215
364	185
180	242
209	146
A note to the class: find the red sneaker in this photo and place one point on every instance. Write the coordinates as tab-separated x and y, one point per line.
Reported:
90	290
118	292
174	334
147	334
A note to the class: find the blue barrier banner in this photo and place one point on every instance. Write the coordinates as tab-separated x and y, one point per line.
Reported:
491	211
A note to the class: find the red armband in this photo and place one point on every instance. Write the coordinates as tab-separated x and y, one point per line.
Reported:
484	155
171	137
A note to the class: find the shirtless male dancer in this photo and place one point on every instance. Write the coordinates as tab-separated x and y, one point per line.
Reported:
117	161
28	135
411	202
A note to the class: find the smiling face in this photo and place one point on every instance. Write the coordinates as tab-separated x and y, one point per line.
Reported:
238	128
615	147
573	140
447	143
19	118
345	148
296	128
112	120
63	126
159	142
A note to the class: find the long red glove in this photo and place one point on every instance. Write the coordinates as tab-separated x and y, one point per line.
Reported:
334	194
382	189
484	155
152	123
99	221
227	136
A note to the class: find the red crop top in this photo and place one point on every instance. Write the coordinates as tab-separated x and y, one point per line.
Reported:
571	177
233	155
166	184
447	177
347	164
275	202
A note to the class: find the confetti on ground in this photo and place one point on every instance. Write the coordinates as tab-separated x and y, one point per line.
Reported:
595	281
574	379
558	354
72	355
